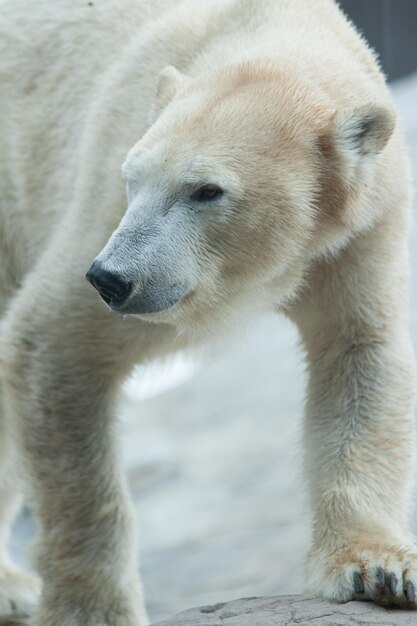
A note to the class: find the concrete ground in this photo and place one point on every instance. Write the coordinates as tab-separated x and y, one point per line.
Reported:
213	456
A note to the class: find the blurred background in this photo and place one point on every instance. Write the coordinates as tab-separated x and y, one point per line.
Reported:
390	26
212	443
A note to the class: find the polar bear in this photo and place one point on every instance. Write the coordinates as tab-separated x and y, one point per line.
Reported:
265	169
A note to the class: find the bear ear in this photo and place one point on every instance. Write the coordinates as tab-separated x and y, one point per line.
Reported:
363	131
170	82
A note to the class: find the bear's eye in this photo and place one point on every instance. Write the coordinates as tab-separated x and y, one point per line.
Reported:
207	193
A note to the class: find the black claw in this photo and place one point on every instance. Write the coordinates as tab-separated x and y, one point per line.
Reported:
410	591
358	583
393	582
380	578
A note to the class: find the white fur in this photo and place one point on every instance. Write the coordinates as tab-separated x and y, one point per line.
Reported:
283	106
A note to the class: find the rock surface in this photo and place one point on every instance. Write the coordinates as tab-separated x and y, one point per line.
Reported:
289	610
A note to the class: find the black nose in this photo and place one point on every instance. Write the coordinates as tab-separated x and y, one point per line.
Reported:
111	287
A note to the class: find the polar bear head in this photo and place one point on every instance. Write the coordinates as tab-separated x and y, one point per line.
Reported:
243	179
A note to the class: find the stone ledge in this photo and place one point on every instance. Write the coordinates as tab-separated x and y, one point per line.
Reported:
283	611
289	610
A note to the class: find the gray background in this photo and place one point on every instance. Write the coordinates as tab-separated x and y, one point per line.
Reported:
391	28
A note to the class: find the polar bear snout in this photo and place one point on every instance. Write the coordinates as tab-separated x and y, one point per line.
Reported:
113	289
153	295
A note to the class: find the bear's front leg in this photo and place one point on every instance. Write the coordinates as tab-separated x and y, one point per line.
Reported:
359	431
61	368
